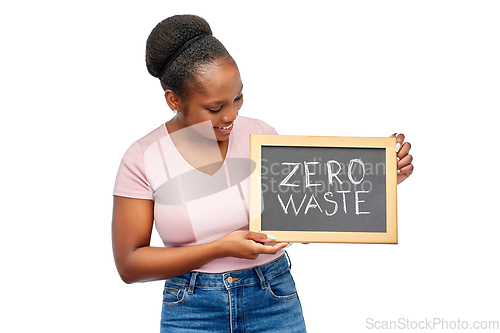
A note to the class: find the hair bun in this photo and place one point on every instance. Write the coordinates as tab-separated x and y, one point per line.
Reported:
169	36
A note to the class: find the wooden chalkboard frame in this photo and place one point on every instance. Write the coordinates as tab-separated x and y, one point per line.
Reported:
389	144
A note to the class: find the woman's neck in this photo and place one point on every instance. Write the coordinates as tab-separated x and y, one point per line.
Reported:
198	146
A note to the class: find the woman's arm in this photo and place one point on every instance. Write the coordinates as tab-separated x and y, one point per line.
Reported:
137	261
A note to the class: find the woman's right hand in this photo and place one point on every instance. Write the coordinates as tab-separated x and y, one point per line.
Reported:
247	245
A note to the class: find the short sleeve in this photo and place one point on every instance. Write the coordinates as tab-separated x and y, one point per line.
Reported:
267	129
131	180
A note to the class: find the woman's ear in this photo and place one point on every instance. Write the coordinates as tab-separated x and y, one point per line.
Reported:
172	99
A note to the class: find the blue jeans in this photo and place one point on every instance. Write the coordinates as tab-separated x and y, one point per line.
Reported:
262	299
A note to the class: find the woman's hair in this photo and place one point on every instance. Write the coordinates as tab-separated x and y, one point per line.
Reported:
192	36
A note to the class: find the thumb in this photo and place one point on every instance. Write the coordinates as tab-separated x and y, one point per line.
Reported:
260	237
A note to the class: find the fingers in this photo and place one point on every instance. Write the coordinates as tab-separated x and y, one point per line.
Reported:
400	138
267	249
248	244
404	150
407	170
279	246
405	161
404	164
260	237
401	150
404	173
399	141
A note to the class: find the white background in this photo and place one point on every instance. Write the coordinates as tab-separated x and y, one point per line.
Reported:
75	93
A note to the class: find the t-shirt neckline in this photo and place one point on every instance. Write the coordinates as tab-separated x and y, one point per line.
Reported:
186	163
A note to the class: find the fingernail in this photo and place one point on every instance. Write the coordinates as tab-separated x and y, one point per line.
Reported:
289	244
271	237
393	134
397	158
398	147
399	171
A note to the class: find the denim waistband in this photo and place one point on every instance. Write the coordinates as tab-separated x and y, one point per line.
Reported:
232	279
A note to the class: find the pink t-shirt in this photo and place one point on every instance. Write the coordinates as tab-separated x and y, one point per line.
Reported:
192	207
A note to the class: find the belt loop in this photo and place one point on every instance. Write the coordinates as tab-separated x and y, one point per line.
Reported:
289	261
192	282
261	277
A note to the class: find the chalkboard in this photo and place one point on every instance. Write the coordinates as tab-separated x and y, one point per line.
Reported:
324	189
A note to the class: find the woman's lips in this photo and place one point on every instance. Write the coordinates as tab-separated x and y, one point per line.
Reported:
225	129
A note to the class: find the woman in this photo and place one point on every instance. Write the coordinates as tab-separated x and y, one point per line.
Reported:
186	177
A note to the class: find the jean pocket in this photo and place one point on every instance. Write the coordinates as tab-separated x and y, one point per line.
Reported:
282	287
174	295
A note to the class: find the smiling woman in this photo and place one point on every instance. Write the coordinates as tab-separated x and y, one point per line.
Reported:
218	100
184	178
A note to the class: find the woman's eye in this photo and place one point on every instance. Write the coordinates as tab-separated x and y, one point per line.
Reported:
217	110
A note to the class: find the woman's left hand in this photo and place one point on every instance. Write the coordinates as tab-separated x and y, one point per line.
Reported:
405	168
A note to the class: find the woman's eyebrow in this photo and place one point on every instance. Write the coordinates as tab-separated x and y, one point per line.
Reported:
220	102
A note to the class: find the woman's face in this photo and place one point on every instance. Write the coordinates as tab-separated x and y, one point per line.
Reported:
217	99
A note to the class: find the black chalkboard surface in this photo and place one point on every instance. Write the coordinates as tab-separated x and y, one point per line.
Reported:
324	189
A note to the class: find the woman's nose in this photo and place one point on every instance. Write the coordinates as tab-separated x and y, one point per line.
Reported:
230	114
